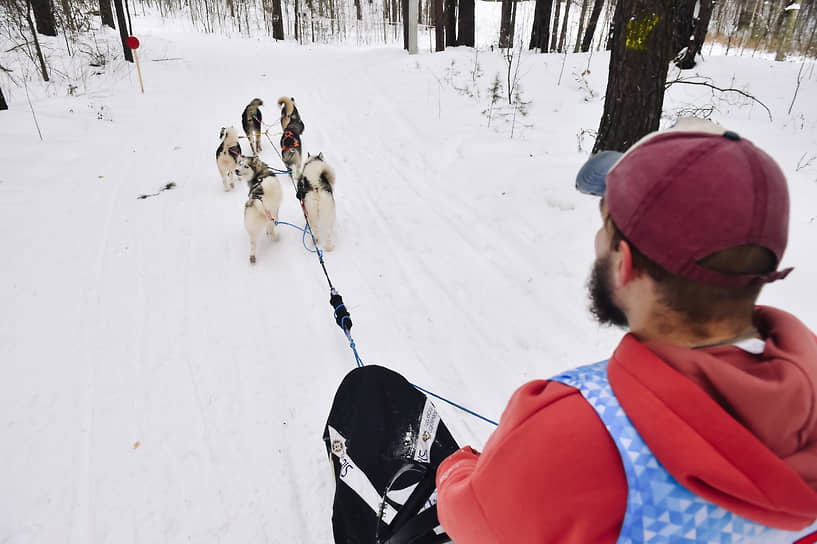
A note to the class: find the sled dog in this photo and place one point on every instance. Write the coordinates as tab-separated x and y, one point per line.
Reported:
227	154
316	186
292	127
290	118
263	200
251	121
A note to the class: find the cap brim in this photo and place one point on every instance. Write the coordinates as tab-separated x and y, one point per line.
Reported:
591	177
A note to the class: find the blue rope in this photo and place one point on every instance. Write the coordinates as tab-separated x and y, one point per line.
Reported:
354	348
463	408
352	344
305	230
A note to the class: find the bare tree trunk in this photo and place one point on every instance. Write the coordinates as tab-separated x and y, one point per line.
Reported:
642	49
404	12
36	41
385	21
804	22
277	21
130	25
513	21
357	10
685	14
786	31
609	26
3	105
540	32
465	27
555	32
439	25
753	30
696	43
69	18
44	17
581	27
297	22
123	28
208	25
505	27
106	13
450	22
591	25
561	47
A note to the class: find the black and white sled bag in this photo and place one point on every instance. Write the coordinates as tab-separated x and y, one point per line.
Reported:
385	441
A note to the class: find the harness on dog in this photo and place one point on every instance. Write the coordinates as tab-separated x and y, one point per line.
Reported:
257	193
289	141
266	211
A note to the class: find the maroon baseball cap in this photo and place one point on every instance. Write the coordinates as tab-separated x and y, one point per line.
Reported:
685	193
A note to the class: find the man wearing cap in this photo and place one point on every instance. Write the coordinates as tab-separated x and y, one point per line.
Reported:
702	425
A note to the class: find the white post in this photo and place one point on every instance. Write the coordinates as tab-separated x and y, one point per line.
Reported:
412	26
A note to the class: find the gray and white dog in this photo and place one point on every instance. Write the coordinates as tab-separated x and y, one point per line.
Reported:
227	154
293	127
263	200
316	187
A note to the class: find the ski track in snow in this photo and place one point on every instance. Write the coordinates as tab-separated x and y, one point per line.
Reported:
162	389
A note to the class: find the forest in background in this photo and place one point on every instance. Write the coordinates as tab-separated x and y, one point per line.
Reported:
644	37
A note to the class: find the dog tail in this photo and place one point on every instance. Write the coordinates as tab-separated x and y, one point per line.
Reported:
328	176
287	107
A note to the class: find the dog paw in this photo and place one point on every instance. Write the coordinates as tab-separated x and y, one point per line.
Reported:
252	259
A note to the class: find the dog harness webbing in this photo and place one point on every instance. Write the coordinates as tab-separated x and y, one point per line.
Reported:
289	141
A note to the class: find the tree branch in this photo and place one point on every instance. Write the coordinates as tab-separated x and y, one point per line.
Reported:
721	89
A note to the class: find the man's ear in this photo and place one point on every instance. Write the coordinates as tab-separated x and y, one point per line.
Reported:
623	261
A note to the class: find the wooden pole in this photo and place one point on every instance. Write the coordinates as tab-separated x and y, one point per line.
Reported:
139	71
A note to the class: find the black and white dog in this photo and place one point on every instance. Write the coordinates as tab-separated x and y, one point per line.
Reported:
316	186
263	200
227	153
293	127
251	122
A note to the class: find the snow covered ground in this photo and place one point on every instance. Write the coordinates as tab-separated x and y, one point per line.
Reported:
156	387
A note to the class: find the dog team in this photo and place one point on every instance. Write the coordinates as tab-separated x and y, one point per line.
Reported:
315	181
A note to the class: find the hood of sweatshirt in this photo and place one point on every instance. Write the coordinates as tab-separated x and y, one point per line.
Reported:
741	429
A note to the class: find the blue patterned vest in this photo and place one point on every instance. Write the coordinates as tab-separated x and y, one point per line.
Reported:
659	509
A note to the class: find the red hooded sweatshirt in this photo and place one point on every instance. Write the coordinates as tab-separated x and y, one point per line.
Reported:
737	428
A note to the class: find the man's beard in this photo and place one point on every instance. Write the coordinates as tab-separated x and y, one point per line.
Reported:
600	291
